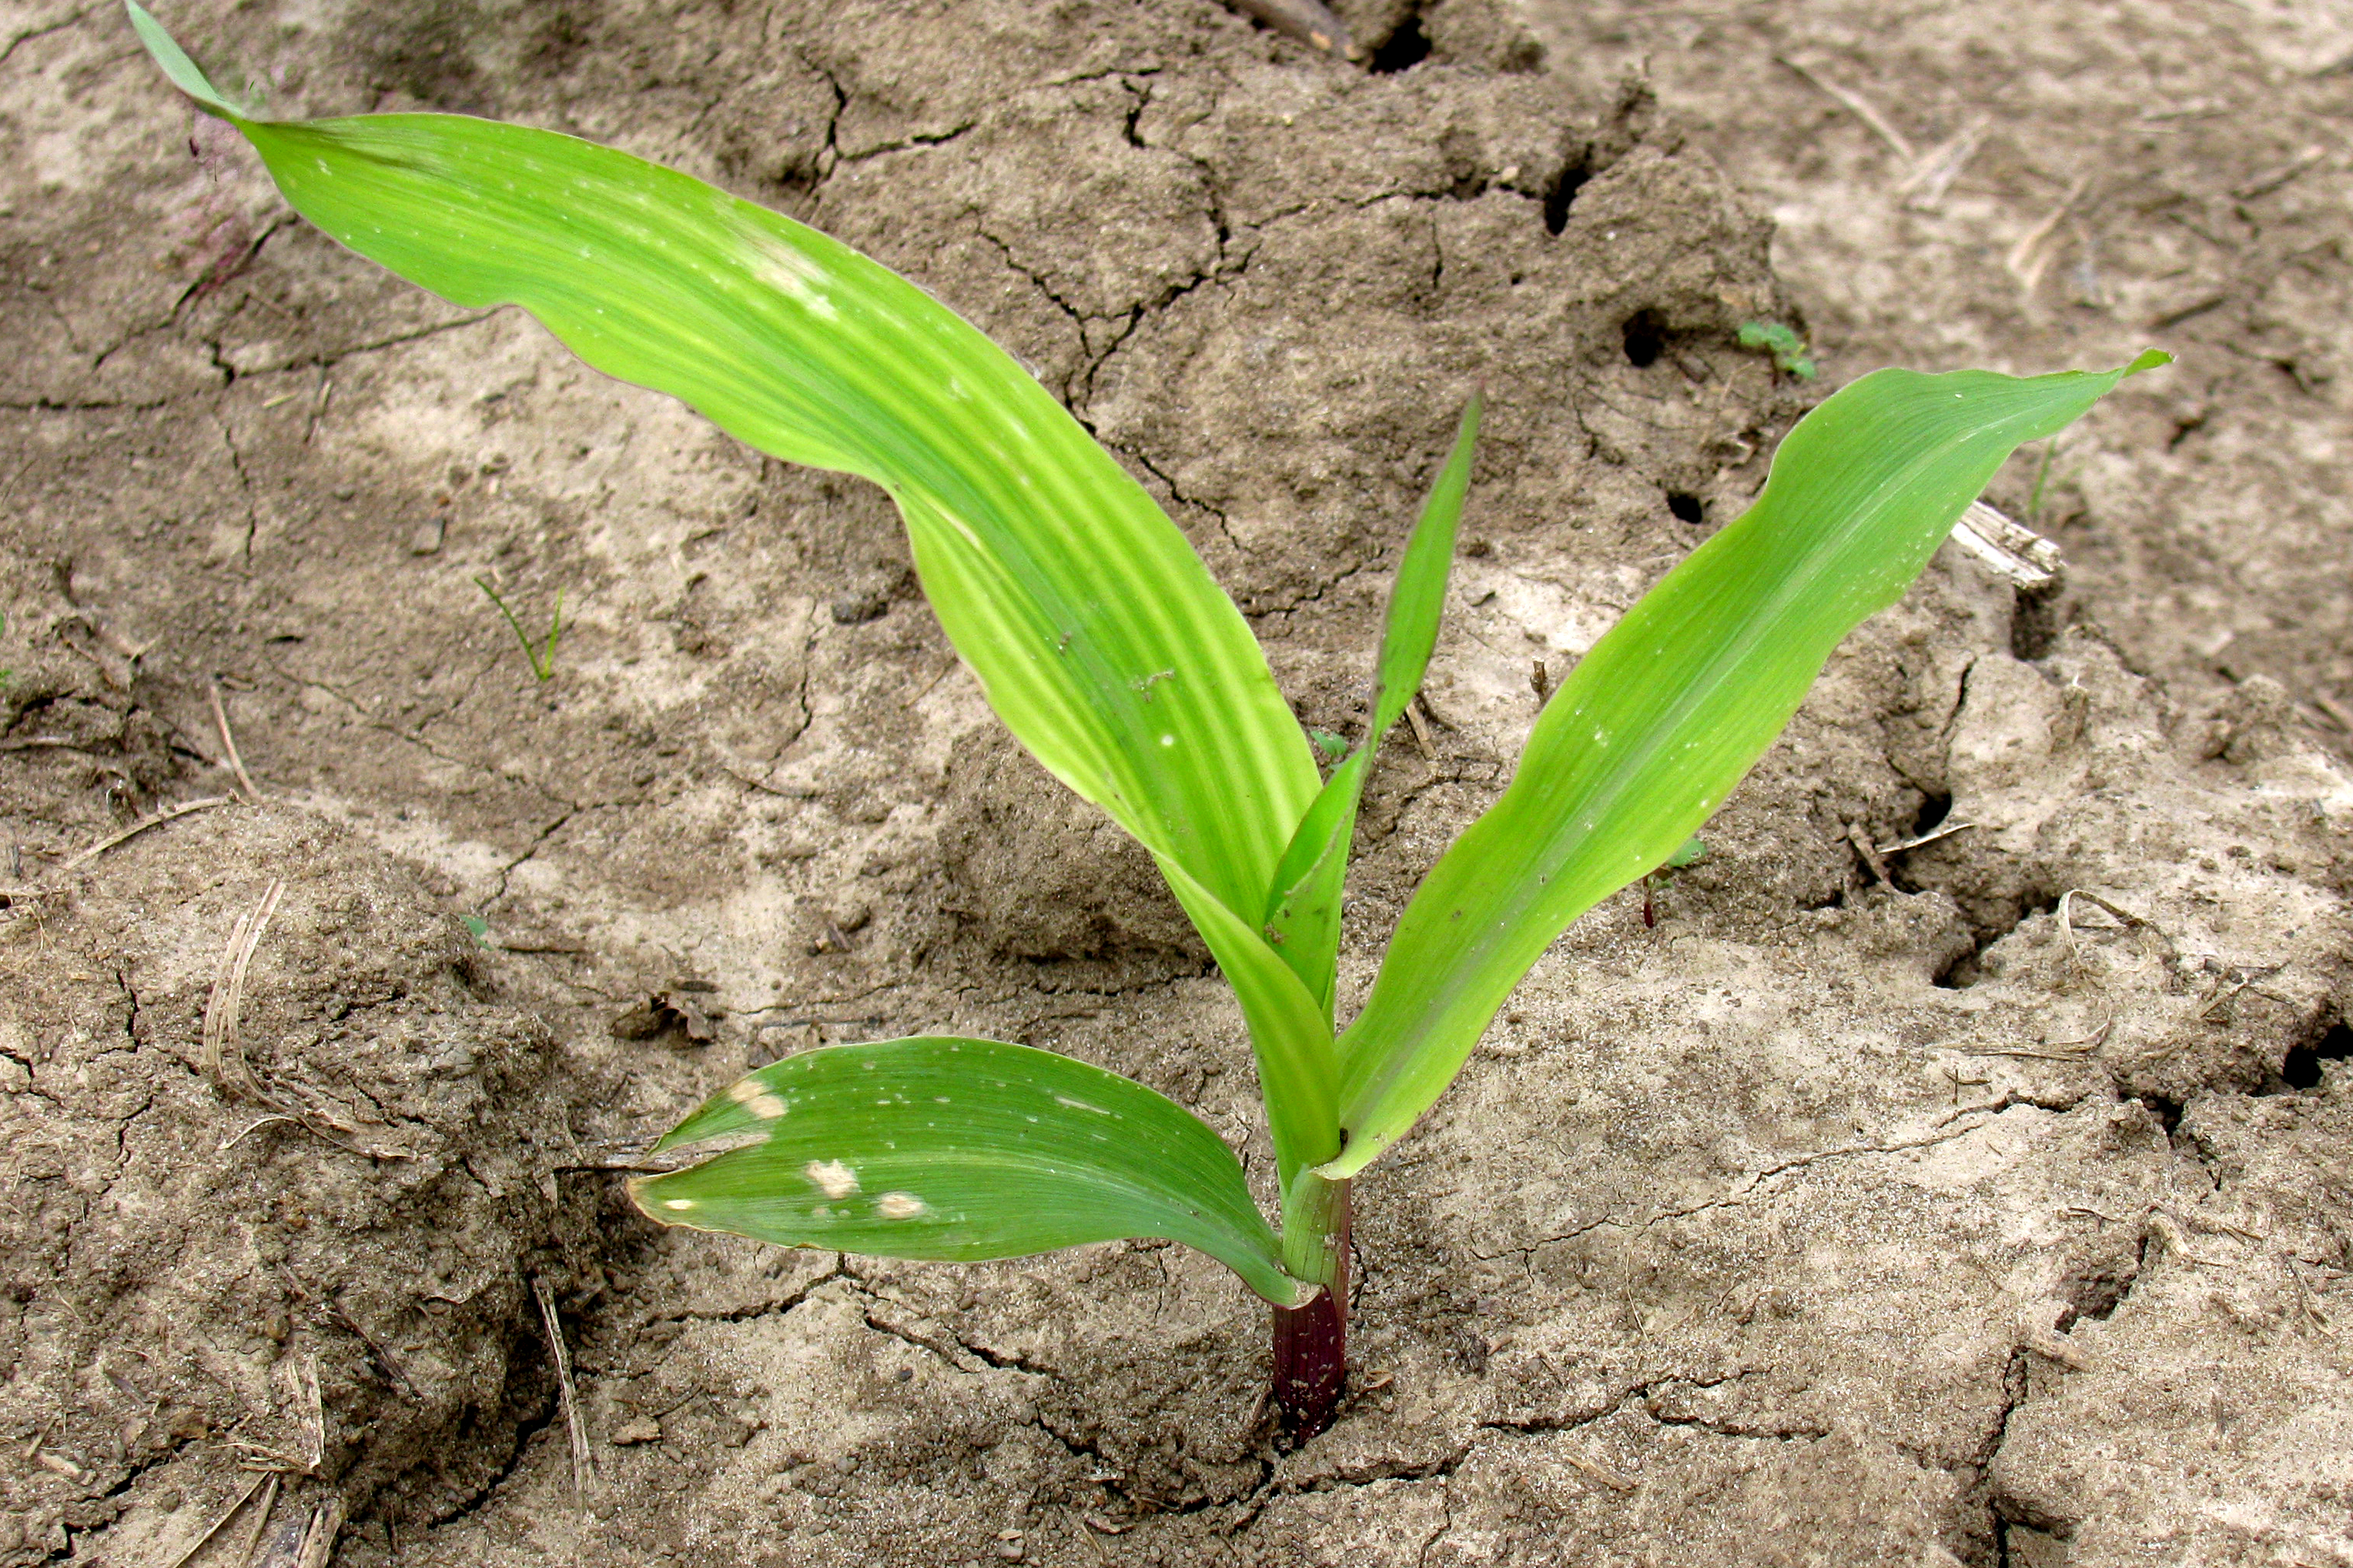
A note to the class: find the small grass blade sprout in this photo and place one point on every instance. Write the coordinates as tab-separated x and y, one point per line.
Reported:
1103	644
543	659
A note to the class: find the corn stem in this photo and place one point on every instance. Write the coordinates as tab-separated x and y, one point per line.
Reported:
1311	1343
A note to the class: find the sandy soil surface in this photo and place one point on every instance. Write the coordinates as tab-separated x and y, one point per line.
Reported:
1983	1202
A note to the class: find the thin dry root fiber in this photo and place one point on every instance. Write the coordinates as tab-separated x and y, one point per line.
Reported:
245	785
584	1458
229	1513
224	1059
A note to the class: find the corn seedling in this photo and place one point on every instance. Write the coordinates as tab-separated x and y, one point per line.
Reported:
543	658
1103	644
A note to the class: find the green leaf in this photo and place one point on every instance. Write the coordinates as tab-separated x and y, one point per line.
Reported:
1304	900
962	1149
1690	854
176	64
1095	631
1654	728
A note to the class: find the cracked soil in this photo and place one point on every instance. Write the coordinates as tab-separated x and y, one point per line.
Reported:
1981	1201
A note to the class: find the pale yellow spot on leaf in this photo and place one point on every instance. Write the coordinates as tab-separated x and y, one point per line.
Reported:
836	1179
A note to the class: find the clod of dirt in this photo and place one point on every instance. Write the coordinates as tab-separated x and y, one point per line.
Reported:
686	1007
324	1276
1040	873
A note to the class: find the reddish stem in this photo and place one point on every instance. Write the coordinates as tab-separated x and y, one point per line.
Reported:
1310	1345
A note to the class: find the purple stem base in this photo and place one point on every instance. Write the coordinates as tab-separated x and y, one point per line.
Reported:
1311	1348
1311	1363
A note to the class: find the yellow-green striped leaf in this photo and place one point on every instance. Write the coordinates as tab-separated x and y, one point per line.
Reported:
1654	728
1095	631
962	1149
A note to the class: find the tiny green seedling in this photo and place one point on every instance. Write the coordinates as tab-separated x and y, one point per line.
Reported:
543	659
1787	349
1106	647
1690	854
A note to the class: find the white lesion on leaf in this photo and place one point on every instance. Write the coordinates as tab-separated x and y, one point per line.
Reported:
777	263
834	1177
757	1097
900	1206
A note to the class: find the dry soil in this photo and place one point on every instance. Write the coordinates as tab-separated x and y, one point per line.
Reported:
1984	1201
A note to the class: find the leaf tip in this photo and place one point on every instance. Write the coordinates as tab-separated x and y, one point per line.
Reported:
2149	359
183	72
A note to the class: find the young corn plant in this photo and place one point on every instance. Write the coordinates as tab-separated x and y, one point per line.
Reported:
1102	643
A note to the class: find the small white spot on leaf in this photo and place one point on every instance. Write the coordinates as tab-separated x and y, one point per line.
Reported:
677	1203
767	1106
900	1206
1079	1105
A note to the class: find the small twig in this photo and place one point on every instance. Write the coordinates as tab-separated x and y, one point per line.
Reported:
228	743
929	686
1945	830
1862	847
2217	998
319	408
2008	548
2265	184
261	1516
1420	732
2131	921
216	1526
1079	1528
1602	1473
284	1549
2023	262
254	1126
319	1540
1861	108
1923	189
125	835
584	1461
